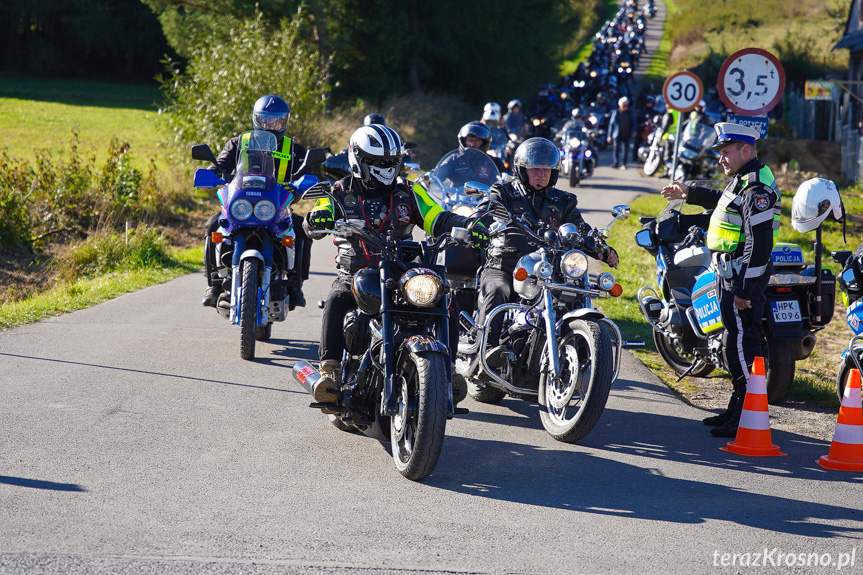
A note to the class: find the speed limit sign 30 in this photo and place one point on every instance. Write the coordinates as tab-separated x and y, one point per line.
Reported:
682	91
751	82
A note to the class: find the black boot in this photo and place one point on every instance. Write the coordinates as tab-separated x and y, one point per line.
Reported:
729	428
722	418
212	296
297	299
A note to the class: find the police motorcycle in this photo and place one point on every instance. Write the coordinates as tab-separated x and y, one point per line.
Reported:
562	353
683	309
696	158
255	251
851	284
396	369
577	159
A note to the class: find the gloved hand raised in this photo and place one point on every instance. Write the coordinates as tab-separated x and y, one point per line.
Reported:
320	220
480	236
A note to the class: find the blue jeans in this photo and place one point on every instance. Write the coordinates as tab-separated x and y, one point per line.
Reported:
619	151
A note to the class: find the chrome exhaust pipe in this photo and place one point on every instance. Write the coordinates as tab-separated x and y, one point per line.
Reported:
306	375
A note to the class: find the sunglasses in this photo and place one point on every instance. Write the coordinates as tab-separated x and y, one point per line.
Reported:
385	162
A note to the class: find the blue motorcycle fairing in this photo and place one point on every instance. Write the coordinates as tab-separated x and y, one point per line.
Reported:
206	179
705	302
854	317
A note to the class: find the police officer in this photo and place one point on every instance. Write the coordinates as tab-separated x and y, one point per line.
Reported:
271	113
375	193
532	195
741	235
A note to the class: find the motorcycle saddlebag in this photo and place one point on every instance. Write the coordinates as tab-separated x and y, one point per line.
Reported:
828	293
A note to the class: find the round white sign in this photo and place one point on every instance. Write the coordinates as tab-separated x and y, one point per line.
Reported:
682	91
751	82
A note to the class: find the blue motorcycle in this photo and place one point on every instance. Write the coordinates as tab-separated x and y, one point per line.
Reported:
255	249
684	309
851	285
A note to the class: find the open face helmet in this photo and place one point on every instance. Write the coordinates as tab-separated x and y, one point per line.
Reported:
374	118
814	201
271	113
477	130
512	104
374	154
491	112
536	153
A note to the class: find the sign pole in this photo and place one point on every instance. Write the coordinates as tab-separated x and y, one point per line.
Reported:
676	147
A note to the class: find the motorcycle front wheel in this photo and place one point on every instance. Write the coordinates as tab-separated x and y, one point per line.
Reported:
249	309
571	406
678	359
651	164
845	366
417	430
573	175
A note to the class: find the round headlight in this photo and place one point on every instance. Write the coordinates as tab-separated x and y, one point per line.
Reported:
574	264
421	287
463	210
265	210
241	209
605	281
542	270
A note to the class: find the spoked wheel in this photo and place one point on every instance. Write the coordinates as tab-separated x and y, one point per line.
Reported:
417	430
570	406
651	164
249	309
679	359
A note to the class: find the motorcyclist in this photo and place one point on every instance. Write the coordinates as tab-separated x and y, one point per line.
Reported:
271	113
491	114
375	193
514	121
478	136
533	197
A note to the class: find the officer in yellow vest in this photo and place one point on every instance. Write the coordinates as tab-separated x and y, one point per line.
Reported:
271	113
741	235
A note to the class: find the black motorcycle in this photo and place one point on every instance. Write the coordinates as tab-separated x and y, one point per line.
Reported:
684	310
396	372
851	283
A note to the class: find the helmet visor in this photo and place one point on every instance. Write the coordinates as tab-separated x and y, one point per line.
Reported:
271	122
537	153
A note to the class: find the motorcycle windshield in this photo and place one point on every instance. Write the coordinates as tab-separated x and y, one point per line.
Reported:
499	138
456	168
699	136
256	166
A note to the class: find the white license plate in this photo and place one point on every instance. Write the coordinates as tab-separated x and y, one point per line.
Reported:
785	311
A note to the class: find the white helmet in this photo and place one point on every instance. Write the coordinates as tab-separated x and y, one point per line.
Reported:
815	199
491	112
374	154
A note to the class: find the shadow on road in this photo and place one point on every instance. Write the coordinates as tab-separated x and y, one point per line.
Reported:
39	484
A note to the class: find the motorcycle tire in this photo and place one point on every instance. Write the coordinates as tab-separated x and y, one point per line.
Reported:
573	176
341	425
417	430
845	366
484	393
248	309
264	332
651	164
779	361
571	410
678	360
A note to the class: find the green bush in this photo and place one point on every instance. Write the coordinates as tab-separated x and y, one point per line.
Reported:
107	252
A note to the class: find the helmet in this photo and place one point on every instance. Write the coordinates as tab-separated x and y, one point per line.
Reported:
374	154
815	199
491	112
477	130
374	118
649	100
536	153
577	113
512	104
271	113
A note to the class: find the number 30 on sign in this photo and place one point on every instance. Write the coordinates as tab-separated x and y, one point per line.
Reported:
682	91
751	82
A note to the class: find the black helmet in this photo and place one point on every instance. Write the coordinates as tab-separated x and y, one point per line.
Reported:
271	113
477	130
536	153
374	118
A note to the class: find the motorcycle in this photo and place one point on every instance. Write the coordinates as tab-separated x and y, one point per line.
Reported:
396	369
577	158
657	150
255	242
561	352
499	144
696	158
650	8
851	284
684	312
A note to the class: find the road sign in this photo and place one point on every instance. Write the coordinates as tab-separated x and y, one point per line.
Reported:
751	82
759	123
682	91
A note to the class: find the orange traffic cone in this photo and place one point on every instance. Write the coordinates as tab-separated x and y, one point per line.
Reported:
753	431
846	451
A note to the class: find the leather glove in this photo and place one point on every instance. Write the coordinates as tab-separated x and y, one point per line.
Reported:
611	257
480	236
320	220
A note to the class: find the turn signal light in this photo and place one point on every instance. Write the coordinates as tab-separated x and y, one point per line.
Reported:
287	241
520	274
616	290
216	237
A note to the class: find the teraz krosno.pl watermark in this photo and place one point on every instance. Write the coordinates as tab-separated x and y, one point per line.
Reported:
774	557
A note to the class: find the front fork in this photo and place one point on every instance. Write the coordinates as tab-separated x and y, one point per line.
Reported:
550	317
240	254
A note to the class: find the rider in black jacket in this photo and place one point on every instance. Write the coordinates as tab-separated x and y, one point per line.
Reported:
533	197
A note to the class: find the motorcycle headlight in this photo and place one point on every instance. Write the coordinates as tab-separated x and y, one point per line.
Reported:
574	264
542	270
574	142
241	210
265	210
463	210
421	287
605	281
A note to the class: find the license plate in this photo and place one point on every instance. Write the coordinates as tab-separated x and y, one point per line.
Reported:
786	311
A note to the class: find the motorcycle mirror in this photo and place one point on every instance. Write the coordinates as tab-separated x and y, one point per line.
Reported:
841	256
644	239
620	212
475	189
203	152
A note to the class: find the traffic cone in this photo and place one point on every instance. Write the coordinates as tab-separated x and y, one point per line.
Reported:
846	451
753	431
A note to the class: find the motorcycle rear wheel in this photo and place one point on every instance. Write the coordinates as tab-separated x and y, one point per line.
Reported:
570	410
417	430
779	360
677	359
248	309
651	164
573	176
